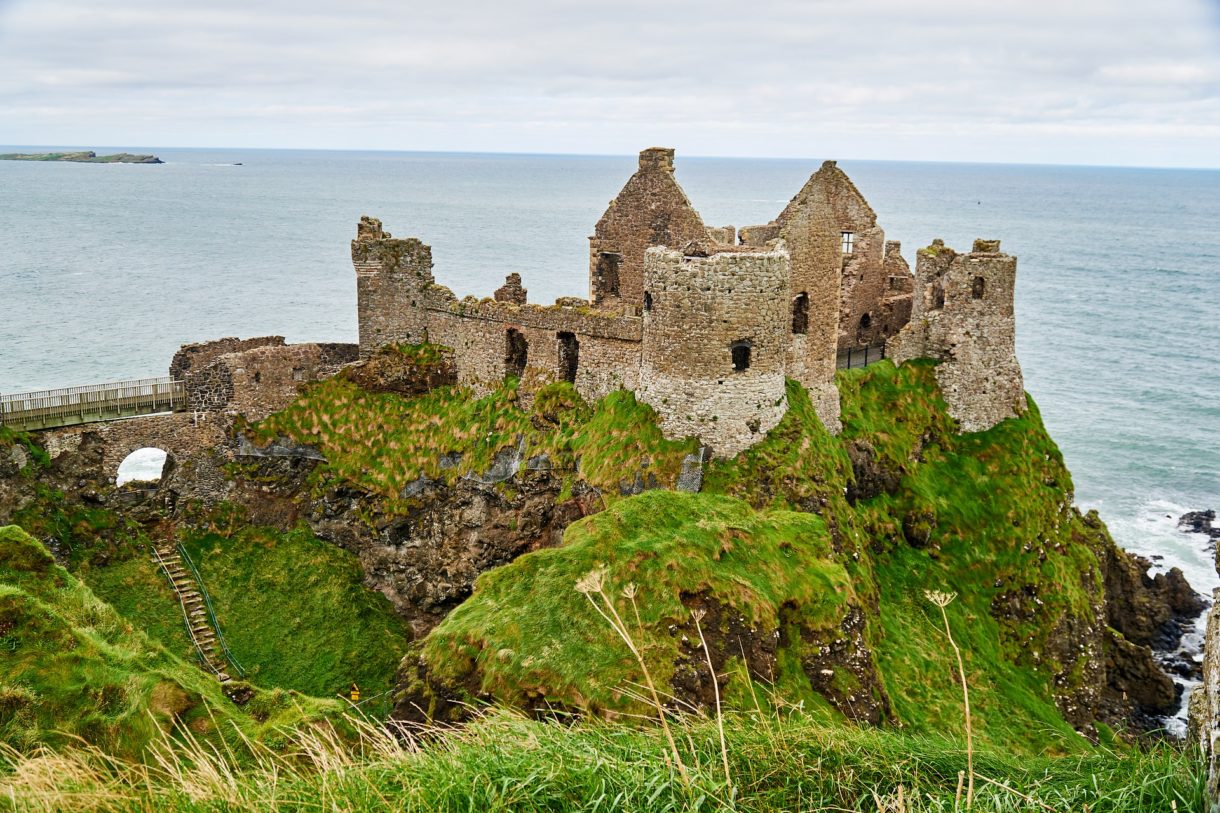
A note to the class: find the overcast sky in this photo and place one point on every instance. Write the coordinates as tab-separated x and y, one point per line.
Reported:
1133	82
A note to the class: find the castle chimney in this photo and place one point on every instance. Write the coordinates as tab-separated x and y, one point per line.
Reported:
657	158
369	228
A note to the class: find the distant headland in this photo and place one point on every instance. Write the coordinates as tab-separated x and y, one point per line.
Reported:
83	157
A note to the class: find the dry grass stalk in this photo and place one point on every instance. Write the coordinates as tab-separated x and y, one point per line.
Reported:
943	600
594	583
724	749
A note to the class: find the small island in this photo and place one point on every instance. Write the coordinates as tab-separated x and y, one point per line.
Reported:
83	157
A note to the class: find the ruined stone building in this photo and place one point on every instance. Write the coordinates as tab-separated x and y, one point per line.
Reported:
705	324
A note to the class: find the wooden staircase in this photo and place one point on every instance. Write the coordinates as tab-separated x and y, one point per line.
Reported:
194	610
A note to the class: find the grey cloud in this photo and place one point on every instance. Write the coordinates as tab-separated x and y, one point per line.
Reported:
717	76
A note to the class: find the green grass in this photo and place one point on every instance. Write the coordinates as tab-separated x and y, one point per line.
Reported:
989	517
73	668
382	442
528	639
137	589
297	616
506	763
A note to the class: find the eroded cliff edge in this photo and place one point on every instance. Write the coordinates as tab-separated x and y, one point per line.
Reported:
429	488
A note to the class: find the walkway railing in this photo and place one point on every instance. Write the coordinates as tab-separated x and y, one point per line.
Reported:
96	402
860	356
207	603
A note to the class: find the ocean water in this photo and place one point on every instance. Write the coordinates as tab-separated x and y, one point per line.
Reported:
106	269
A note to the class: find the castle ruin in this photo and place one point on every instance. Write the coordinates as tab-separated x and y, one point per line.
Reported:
705	324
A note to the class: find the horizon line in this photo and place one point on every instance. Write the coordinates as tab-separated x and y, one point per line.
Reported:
679	156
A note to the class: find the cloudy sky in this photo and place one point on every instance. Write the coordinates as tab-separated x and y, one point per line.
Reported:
1133	82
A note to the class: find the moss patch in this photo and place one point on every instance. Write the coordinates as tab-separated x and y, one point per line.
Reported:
297	616
527	637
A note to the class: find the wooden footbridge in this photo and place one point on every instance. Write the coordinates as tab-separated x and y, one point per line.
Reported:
47	409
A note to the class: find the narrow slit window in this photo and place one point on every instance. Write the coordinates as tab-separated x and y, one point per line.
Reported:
516	351
849	242
741	356
800	313
569	356
977	288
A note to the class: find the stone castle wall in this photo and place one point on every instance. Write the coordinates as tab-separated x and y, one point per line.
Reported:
669	299
258	377
715	339
197	356
962	315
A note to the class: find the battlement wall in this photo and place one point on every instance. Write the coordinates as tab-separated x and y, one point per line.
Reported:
197	356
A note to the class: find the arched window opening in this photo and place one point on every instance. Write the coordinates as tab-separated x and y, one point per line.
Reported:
741	356
516	349
866	321
142	466
569	356
938	295
977	288
800	313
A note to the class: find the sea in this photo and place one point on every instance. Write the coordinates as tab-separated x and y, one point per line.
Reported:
106	269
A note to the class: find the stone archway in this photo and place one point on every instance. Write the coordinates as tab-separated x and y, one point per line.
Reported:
144	465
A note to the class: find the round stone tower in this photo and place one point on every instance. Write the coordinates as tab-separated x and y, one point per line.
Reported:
716	333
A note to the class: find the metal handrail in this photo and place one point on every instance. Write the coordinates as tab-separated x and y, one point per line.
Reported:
93	401
207	601
186	616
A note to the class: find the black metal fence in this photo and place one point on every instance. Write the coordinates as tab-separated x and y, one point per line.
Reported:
860	356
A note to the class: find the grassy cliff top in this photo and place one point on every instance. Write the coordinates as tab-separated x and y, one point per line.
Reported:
71	667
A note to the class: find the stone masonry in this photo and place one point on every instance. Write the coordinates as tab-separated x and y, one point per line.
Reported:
703	324
841	277
962	315
698	307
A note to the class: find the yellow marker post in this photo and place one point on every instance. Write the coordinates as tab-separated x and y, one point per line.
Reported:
355	693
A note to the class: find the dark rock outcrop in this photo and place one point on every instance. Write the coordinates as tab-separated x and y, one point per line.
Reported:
388	370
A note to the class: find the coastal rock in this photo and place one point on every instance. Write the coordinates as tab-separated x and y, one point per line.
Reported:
1200	522
82	157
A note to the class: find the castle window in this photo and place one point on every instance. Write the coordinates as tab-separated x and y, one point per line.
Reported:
866	321
606	282
849	242
569	356
976	289
516	349
647	301
800	313
741	356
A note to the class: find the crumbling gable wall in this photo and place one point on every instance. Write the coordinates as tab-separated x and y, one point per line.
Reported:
962	315
651	210
391	276
812	225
